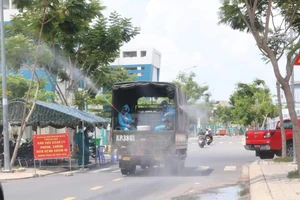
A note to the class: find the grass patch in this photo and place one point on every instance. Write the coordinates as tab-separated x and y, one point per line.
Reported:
16	167
281	159
243	192
293	174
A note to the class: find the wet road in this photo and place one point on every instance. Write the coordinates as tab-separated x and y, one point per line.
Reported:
213	166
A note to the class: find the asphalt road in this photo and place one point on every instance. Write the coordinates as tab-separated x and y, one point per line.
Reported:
213	166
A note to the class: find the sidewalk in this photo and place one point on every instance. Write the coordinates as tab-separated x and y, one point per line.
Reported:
45	170
268	181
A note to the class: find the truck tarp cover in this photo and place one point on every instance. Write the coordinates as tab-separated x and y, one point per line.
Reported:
145	89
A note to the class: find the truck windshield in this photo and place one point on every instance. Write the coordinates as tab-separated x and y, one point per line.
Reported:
287	124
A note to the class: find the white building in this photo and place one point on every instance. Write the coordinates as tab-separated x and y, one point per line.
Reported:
144	62
9	10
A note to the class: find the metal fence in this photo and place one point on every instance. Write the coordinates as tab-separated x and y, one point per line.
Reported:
230	130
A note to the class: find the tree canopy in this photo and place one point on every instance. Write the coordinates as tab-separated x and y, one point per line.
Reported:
193	90
250	103
75	35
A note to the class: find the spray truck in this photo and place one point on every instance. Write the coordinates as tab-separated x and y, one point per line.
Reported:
143	145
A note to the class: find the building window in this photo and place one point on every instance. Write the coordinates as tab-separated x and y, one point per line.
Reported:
129	54
13	6
140	74
6	4
143	53
135	68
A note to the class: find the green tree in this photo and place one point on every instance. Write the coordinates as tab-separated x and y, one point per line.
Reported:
17	87
198	97
78	35
252	103
222	115
272	39
193	90
64	29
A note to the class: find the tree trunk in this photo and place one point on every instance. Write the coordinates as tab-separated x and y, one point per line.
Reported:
283	136
264	122
34	74
293	115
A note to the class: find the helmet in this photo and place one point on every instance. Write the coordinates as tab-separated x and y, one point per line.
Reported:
164	104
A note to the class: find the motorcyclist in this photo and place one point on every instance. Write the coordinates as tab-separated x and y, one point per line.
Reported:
125	119
166	117
208	133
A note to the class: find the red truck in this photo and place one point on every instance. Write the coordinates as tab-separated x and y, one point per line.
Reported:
267	143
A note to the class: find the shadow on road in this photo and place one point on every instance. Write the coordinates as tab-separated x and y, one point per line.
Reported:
159	172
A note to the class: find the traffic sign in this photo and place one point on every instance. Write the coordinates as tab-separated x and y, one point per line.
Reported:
297	60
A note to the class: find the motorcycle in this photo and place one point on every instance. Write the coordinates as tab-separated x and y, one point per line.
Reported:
208	137
201	139
205	138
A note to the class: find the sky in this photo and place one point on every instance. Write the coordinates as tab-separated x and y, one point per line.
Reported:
189	35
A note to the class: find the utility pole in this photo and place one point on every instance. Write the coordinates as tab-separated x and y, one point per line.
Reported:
294	136
4	97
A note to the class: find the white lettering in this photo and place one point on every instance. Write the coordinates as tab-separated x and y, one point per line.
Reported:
125	138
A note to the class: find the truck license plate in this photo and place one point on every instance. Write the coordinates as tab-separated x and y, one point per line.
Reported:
256	146
126	158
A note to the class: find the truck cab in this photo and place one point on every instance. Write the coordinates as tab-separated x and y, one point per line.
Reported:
145	146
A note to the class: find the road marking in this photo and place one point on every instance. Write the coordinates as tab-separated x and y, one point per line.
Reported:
118	170
69	198
100	170
202	168
96	188
230	142
117	179
221	142
230	168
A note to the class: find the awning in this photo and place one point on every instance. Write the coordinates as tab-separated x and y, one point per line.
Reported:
52	114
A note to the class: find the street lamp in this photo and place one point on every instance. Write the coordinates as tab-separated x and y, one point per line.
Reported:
189	68
7	167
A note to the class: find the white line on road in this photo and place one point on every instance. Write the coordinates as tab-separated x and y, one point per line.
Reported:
230	168
221	142
115	171
202	168
230	142
100	170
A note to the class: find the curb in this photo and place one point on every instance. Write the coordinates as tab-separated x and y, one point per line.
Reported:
259	189
32	176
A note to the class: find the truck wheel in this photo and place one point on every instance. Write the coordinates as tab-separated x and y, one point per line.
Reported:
290	150
124	171
132	169
266	155
143	166
177	167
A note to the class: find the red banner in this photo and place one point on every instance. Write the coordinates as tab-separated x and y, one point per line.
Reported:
51	146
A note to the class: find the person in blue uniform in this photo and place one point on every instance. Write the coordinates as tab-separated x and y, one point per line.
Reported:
81	147
125	119
166	117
